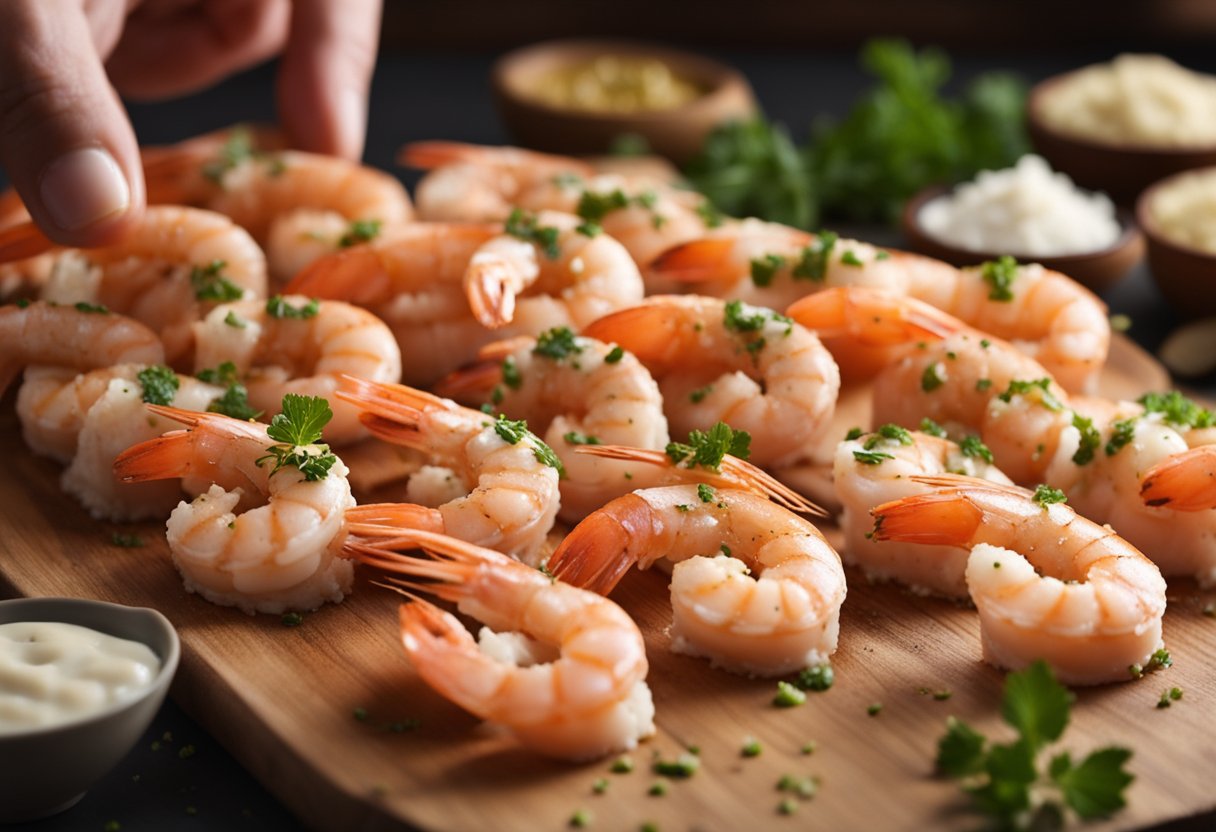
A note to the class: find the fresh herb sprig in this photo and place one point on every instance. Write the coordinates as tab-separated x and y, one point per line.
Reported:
707	448
298	431
1002	777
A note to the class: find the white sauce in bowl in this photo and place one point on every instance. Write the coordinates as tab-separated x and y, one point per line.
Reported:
1027	211
53	673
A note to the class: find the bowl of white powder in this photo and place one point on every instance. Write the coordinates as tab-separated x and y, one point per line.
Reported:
1031	213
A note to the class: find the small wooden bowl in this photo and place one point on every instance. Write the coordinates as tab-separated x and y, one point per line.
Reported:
1120	169
677	133
1185	275
1097	270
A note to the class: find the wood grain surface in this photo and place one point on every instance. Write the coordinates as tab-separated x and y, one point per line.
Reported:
282	699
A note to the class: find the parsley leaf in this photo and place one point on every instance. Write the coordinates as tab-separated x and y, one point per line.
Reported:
932	428
360	231
1000	274
525	226
160	384
1122	433
707	448
1094	789
278	307
301	421
973	446
1045	495
234	403
1178	409
557	343
1036	705
1040	387
209	283
960	751
1091	439
813	262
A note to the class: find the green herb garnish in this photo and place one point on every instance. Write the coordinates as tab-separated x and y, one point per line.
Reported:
813	262
1091	439
765	268
575	438
209	283
1178	409
557	343
932	428
1045	495
278	307
816	678
972	446
788	696
932	377
707	448
871	457
298	431
126	541
360	231
614	355
1000	274
684	766
524	225
160	384
1040	387
1122	432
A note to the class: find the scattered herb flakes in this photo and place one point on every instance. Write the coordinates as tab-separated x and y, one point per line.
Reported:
788	696
209	283
818	678
91	308
235	403
1002	777
622	765
589	229
1040	387
237	149
614	355
160	384
813	262
697	396
683	766
933	377
942	695
1177	409
854	434
1045	495
1168	697
871	457
126	541
850	258
874	709
787	806
360	714
889	433
765	268
186	752
973	446
1122	433
1090	439
704	493
658	788
707	448
510	373
111	826
360	231
278	307
557	343
600	785
808	748
581	819
524	225
576	438
751	748
235	321
291	619
1000	274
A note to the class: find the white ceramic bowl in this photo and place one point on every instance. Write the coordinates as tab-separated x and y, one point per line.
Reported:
46	770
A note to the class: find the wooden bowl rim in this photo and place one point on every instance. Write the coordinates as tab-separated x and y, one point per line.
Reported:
1036	121
910	219
716	77
1153	231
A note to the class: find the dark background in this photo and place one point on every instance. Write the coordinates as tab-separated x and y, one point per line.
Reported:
432	82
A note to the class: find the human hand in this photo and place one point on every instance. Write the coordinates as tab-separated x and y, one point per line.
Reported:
65	140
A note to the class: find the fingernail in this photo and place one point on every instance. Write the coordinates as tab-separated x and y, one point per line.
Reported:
83	187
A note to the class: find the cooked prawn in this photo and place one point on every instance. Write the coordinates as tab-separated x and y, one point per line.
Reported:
1048	584
62	336
1183	482
261	539
729	362
574	391
562	669
575	276
291	345
512	474
166	273
782	618
880	467
414	282
1046	314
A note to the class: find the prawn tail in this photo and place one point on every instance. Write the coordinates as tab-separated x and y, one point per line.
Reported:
21	241
491	285
872	316
473	382
697	261
940	518
598	552
428	155
741	472
353	274
162	458
392	412
646	330
1183	482
391	519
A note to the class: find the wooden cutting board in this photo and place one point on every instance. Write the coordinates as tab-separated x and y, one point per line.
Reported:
282	699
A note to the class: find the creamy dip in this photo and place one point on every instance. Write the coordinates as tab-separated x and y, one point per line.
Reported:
52	673
616	83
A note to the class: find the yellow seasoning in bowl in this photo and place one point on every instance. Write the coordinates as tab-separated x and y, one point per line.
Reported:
53	673
616	84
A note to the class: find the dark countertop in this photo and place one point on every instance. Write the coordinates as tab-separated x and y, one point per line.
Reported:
164	785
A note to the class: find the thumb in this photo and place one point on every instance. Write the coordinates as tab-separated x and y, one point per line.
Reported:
64	138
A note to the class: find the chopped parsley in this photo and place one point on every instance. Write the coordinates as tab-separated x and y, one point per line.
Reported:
510	373
524	225
1045	495
871	457
235	321
91	308
1000	274
751	748
853	434
278	307
765	268
983	384
1122	433
291	619
741	318
622	765
298	431
594	206
684	766
697	396
614	355
576	438
1169	697
557	343
1040	387
709	214
932	377
360	231
874	709
705	493
816	678
932	428
514	431
589	229
850	258
788	696
889	432
1091	439
223	374
972	446
813	262
1178	409
237	149
1002	777
126	541
160	384
707	448
209	283
235	403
